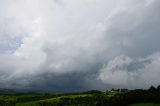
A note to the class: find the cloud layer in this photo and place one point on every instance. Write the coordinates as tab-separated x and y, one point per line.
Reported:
68	45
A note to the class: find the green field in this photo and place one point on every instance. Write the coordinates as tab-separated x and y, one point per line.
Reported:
116	97
53	101
42	99
145	104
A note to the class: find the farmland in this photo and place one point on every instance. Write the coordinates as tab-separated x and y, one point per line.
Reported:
114	97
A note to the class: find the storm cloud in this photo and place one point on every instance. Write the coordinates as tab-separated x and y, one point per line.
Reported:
75	45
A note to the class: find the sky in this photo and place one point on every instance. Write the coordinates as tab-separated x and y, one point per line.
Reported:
77	45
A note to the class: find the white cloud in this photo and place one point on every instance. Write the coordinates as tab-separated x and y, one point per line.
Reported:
114	72
61	37
128	72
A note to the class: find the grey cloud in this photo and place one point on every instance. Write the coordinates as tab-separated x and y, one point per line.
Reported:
77	45
136	33
117	71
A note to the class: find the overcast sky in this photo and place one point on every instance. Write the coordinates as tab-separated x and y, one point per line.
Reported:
75	45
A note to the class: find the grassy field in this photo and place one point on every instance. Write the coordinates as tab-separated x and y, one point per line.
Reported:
52	100
145	104
88	98
61	99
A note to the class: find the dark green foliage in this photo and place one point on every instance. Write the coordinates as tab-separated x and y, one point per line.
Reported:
115	97
93	92
33	97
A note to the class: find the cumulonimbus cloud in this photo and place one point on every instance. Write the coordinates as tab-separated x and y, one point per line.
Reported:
68	40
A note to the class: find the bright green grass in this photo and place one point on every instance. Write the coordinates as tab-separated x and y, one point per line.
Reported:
27	104
111	94
145	104
51	100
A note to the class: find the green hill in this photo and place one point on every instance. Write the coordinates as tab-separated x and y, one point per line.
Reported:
115	97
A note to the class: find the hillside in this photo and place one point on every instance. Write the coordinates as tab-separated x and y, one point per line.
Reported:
114	97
